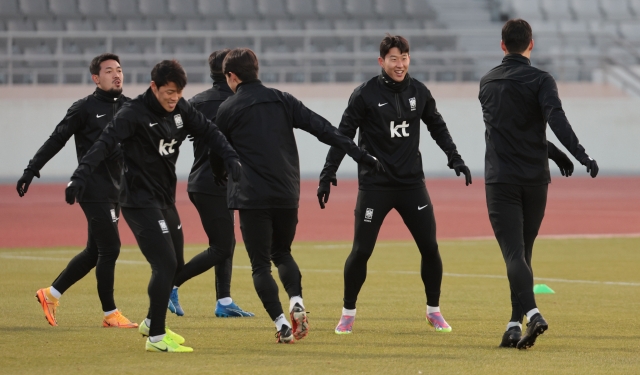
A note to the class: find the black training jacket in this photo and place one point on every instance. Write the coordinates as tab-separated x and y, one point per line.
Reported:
259	123
518	101
85	120
388	114
151	139
201	176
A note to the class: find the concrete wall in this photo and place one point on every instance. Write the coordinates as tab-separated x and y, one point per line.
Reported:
606	121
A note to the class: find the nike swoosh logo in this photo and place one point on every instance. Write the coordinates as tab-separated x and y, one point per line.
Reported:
380	105
154	124
160	349
179	226
420	208
98	116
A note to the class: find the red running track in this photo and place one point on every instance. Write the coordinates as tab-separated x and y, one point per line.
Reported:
576	206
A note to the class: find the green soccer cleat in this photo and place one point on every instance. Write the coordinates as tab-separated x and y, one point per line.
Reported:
437	321
166	345
144	331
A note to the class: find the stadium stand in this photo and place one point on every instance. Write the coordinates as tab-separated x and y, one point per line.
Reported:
50	41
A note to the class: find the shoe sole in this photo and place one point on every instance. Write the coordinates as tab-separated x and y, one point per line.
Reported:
107	325
443	330
43	303
301	325
222	315
342	332
529	341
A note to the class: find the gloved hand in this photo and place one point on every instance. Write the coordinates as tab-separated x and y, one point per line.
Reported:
592	166
460	167
25	181
74	190
564	163
324	188
220	181
373	163
234	169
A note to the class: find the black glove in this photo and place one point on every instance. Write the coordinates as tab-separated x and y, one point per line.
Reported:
25	181
564	163
373	163
234	169
74	190
592	166
460	167
220	181
324	189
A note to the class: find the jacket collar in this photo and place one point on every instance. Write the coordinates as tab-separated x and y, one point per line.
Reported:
248	84
393	85
106	96
517	58
222	86
151	102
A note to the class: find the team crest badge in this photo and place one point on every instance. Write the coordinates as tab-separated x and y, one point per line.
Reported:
178	119
163	226
114	217
412	103
368	215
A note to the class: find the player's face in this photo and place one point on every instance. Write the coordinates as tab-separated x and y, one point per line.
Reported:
395	64
110	77
168	95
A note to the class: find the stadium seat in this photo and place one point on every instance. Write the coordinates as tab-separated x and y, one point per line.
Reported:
139	25
93	8
153	8
288	25
390	8
79	25
347	25
109	25
243	9
631	32
64	8
228	25
556	10
169	25
586	10
213	8
635	5
383	25
575	34
407	25
20	25
418	9
301	9
318	25
124	8
331	8
360	8
199	25
545	35
35	8
527	9
49	25
616	10
272	9
258	25
9	9
183	8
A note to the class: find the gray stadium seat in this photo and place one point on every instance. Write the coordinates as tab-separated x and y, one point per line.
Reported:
64	8
390	8
635	5
49	25
631	32
79	25
139	25
169	25
93	8
545	35
527	9
228	25
360	8
556	9
9	9
109	25
575	34
418	8
331	8
126	48
199	25
384	25
616	10
407	25
243	9
212	8
153	8
301	8
272	8
183	8
318	25
347	25
288	25
35	8
586	10
124	8
20	25
258	25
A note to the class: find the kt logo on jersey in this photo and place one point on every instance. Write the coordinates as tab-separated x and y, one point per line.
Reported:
399	130
167	148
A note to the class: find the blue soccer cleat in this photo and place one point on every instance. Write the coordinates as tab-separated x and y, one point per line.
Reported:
174	304
231	311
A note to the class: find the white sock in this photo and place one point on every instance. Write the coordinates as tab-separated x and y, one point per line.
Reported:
147	321
348	312
280	321
225	301
531	313
54	292
294	300
175	287
433	309
156	338
514	324
110	312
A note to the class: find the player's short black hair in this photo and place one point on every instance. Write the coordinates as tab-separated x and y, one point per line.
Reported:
169	71
390	41
516	35
215	60
94	67
243	62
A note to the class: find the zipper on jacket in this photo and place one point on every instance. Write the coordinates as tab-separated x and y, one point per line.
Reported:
398	106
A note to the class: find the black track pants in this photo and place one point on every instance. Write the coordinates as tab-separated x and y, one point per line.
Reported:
516	213
103	248
268	235
159	236
416	210
217	221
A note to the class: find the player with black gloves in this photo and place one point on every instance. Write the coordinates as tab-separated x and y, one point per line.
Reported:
259	123
387	109
85	120
151	129
518	101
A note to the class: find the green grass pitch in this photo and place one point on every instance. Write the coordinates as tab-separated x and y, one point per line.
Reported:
593	320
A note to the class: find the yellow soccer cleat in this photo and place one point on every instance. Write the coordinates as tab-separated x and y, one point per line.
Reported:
166	345
144	331
117	320
49	305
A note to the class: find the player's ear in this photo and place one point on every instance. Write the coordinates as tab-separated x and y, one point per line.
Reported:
95	78
154	88
381	62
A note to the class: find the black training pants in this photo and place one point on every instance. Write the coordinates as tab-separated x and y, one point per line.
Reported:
217	221
268	235
516	213
416	210
159	236
103	248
